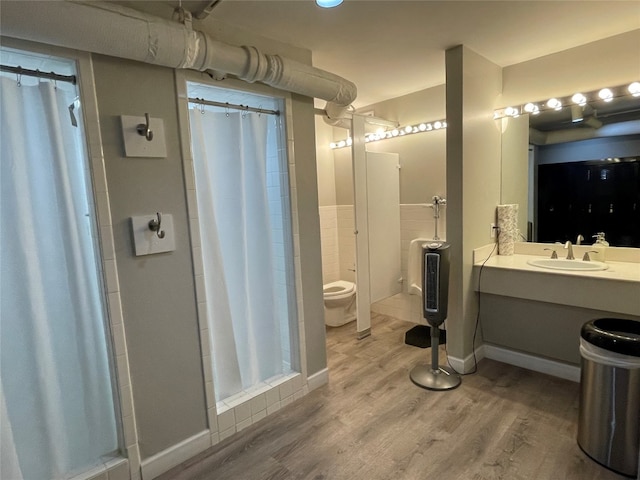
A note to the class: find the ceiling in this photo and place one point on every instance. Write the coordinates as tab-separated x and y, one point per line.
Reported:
390	48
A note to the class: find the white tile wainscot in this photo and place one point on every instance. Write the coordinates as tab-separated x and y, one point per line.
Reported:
539	312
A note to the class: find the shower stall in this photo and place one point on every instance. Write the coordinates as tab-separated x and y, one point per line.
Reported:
244	217
57	399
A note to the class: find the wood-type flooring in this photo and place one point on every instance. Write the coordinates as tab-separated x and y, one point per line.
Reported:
371	422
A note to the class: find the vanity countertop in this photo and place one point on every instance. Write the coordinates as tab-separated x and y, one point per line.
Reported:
622	271
616	289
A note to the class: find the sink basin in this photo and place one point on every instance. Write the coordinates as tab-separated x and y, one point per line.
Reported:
569	265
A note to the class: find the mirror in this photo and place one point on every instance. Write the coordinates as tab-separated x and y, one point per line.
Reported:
575	171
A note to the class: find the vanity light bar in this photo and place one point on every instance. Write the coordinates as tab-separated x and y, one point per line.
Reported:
581	99
383	134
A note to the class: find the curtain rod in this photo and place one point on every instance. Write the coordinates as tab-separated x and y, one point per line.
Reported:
245	108
37	73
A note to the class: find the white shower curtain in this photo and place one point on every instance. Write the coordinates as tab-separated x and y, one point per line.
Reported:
230	163
57	401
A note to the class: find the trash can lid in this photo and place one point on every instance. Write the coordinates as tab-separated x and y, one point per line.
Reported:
614	334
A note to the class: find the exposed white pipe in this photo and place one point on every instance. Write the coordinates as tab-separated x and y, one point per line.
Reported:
345	121
123	32
537	137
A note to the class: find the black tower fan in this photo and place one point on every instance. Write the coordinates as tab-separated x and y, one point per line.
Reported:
435	296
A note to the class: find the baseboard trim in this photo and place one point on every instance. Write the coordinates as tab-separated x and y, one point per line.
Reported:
318	379
467	364
167	459
532	362
364	333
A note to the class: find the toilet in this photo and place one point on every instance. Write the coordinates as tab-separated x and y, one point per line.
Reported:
339	303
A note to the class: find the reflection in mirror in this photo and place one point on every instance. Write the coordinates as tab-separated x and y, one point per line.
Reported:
575	170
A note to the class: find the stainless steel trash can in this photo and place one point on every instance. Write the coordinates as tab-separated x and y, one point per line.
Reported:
609	416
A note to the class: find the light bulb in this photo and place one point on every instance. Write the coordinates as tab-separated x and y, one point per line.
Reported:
579	99
606	94
444	124
634	89
422	127
333	145
437	125
395	132
408	129
511	112
341	143
554	103
529	107
349	141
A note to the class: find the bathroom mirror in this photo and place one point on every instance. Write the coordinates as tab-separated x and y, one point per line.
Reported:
590	156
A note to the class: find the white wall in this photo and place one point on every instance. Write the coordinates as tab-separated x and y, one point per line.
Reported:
422	155
473	180
605	63
325	163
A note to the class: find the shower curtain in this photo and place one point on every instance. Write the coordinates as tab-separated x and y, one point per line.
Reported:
56	397
230	164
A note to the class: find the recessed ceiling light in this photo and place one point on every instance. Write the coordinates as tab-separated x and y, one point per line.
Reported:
328	3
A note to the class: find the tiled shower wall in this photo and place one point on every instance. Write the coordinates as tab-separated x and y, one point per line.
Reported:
338	243
347	242
338	251
329	244
278	188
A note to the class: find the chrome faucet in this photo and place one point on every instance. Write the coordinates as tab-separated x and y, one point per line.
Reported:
570	250
579	240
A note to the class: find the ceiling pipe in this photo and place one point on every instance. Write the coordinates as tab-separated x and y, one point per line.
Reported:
369	120
123	32
538	137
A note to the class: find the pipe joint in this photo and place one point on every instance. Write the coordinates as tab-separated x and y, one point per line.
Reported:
195	50
256	65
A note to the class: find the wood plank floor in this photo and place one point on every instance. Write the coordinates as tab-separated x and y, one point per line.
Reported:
370	422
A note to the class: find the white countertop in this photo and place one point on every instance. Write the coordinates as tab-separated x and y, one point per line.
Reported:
623	271
615	290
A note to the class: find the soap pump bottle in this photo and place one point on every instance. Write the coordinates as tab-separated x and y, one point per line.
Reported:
600	246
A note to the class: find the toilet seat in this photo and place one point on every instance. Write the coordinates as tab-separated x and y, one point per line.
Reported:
339	289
